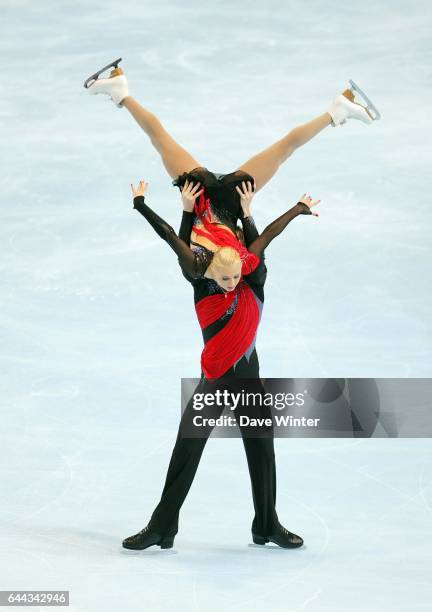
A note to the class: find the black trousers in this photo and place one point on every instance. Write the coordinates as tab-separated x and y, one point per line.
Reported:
186	455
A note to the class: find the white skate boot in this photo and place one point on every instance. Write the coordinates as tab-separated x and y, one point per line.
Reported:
344	107
115	85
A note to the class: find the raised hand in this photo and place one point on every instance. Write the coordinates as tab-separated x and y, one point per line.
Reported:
189	194
307	199
246	195
140	190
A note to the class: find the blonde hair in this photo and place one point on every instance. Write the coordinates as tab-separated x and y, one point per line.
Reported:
225	256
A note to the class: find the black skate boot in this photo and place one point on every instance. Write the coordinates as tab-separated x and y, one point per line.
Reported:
280	536
145	538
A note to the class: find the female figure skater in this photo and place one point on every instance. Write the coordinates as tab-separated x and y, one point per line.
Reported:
223	198
229	294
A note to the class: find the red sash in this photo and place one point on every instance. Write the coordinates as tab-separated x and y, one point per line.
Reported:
232	341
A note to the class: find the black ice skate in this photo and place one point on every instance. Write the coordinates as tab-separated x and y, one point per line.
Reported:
280	536
145	538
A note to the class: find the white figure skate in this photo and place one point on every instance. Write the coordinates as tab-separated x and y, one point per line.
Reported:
115	85
344	107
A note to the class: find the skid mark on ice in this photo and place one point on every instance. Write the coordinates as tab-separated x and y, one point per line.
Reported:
54	499
64	460
195	595
407	499
35	233
72	391
306	602
40	557
268	594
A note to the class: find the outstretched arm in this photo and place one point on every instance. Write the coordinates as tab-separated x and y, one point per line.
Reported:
193	263
279	224
257	243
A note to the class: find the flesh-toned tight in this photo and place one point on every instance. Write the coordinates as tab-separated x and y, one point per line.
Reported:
261	166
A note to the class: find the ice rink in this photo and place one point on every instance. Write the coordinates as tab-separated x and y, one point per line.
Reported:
98	325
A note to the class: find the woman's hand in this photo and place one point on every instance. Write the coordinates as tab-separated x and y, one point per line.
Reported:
189	194
307	199
246	195
140	190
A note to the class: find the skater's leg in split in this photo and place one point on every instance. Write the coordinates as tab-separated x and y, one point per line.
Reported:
265	164
175	159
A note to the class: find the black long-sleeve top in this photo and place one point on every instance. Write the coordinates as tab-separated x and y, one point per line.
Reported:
194	263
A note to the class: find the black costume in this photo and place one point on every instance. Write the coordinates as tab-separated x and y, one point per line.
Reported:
187	451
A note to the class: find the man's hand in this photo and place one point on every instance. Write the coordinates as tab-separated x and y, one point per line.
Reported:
189	194
246	195
140	190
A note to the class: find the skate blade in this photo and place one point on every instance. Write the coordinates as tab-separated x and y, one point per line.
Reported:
369	104
94	76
